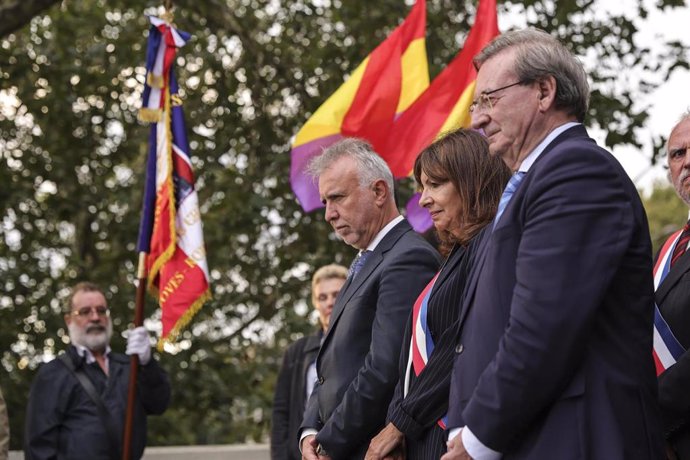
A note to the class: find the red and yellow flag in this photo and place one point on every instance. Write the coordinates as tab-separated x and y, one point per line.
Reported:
383	86
444	106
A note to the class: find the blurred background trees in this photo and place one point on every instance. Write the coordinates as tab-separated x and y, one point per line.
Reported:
72	154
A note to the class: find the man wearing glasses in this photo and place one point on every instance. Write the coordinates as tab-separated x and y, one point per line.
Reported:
553	355
78	401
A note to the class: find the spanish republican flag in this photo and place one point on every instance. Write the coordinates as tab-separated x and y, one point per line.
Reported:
382	87
170	231
444	106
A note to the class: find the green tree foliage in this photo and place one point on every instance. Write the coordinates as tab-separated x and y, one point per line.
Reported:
72	158
666	213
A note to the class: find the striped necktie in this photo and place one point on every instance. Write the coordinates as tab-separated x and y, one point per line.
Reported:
512	185
682	244
358	263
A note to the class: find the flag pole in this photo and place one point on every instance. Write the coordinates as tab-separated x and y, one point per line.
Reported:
134	361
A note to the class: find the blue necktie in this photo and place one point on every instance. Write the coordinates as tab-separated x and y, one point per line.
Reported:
512	185
358	263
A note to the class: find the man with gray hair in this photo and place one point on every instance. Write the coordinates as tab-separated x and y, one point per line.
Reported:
555	331
357	365
672	314
78	401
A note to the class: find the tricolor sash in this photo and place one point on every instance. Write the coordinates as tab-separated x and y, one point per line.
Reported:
667	349
422	344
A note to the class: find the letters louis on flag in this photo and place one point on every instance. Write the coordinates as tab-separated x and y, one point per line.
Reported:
170	231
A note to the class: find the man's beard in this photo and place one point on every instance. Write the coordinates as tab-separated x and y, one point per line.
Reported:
96	340
681	191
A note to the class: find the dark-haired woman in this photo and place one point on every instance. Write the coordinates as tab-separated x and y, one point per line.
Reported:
461	186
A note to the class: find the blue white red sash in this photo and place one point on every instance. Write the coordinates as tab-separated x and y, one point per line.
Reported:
667	350
421	345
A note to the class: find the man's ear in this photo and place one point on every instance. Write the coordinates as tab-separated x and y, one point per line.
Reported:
381	191
68	319
547	93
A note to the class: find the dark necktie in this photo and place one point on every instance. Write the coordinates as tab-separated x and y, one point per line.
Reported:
512	185
682	244
358	263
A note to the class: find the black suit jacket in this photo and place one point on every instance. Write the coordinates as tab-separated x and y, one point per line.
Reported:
673	299
290	396
417	413
554	354
358	361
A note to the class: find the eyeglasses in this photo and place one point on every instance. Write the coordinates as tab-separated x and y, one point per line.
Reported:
85	312
486	100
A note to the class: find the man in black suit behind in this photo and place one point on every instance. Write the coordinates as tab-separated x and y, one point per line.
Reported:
357	364
297	374
672	295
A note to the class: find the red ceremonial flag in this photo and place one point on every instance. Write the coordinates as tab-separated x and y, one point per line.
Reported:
444	106
170	232
366	105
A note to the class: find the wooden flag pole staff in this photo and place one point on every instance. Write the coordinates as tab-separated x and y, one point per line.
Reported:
134	362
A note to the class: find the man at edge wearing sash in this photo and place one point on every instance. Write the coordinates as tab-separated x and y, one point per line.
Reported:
672	296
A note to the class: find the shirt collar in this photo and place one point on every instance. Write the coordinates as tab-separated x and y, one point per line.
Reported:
383	232
84	352
539	149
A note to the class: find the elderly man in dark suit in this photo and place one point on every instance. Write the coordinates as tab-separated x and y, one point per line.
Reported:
553	353
357	364
672	317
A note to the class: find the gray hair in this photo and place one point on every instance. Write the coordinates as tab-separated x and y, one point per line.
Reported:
540	55
370	166
683	117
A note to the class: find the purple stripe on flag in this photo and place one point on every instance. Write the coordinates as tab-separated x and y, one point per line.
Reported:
152	45
149	201
303	185
419	217
179	128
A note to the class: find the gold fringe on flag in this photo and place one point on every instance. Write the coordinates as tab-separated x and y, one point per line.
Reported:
154	81
184	320
150	115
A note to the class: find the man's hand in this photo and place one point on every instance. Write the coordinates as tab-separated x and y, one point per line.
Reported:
309	445
385	443
456	450
138	343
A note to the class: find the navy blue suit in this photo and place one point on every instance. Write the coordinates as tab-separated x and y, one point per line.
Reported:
357	364
553	358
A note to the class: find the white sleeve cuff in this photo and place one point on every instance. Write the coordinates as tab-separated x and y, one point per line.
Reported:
476	449
306	432
454	432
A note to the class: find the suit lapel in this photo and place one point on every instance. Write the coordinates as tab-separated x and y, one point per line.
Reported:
448	268
681	267
373	261
475	271
576	132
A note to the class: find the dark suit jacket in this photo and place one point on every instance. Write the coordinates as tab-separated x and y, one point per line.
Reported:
673	299
290	397
417	414
554	352
358	361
